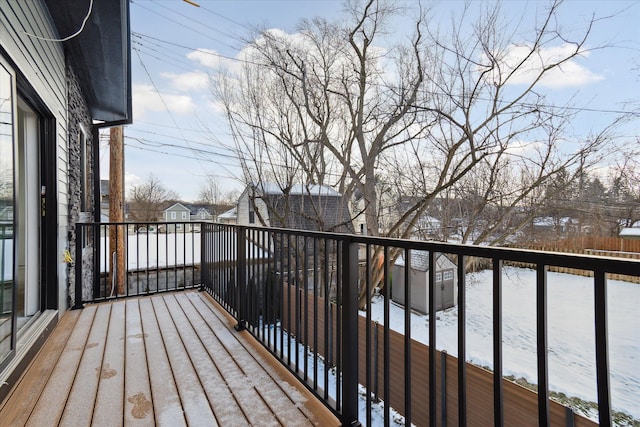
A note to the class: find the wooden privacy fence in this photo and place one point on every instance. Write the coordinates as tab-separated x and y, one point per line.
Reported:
582	244
597	246
520	404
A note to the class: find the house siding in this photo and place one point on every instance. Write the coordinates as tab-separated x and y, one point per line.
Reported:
243	210
42	65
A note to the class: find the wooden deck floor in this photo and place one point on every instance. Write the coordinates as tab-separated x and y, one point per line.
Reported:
171	359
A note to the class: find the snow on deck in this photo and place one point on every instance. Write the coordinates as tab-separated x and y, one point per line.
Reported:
171	359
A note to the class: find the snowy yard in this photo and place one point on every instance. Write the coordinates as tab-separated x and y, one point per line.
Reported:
151	250
571	338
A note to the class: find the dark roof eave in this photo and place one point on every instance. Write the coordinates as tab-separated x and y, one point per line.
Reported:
100	55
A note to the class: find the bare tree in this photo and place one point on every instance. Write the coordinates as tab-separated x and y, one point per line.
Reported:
341	104
147	200
210	192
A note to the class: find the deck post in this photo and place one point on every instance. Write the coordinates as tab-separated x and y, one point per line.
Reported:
350	332
241	278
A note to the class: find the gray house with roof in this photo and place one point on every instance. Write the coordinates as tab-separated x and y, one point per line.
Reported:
303	207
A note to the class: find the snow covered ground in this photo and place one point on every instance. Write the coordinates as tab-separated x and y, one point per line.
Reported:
157	250
572	368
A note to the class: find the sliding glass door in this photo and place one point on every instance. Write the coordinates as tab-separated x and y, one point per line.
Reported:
7	209
27	218
20	213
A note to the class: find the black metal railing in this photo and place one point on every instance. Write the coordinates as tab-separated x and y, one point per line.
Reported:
299	293
115	260
307	297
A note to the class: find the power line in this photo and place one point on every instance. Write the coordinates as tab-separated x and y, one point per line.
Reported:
185	26
391	87
193	49
163	101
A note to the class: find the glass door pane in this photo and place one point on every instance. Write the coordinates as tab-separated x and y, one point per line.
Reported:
27	184
7	271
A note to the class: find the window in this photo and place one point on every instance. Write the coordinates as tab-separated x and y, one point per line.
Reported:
173	215
438	277
252	214
184	215
448	275
85	165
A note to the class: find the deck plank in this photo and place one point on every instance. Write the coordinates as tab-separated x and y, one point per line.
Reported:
79	407
51	403
278	396
21	402
138	409
305	401
109	406
270	393
167	405
194	400
256	411
225	407
168	359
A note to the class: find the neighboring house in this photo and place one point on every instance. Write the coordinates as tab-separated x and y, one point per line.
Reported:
446	281
54	97
229	217
302	207
104	200
428	226
179	214
556	226
200	214
185	213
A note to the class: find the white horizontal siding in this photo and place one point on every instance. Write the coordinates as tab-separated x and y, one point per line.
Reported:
42	63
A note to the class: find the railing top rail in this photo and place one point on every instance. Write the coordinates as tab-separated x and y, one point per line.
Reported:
569	260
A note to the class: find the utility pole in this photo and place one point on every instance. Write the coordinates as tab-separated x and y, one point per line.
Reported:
117	233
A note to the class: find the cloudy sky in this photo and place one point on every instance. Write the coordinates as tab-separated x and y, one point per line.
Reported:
180	136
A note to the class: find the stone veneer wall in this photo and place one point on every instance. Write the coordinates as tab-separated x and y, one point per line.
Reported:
78	116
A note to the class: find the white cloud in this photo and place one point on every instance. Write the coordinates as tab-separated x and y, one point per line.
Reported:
146	99
211	59
569	74
131	180
188	82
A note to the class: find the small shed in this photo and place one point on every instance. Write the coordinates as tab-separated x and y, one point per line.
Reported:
446	281
630	233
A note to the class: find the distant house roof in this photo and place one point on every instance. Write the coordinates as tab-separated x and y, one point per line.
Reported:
545	221
630	233
177	206
269	188
230	214
306	207
196	208
426	219
548	221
